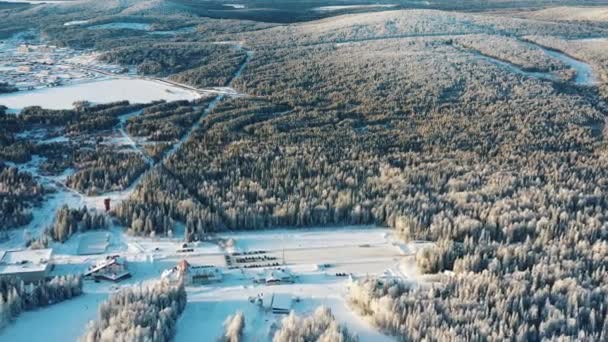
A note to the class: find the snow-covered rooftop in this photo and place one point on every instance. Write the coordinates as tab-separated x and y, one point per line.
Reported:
281	302
22	261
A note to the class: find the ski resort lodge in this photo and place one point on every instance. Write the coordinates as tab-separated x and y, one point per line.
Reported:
112	268
193	275
28	265
275	277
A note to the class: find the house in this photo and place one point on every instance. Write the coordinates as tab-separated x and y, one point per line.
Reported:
193	275
28	265
113	268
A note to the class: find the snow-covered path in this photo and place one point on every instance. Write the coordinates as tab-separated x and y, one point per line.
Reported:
129	140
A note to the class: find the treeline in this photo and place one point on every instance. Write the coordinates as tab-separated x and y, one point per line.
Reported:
527	306
217	72
7	88
197	64
233	328
84	118
320	326
16	297
165	122
19	192
157	202
413	23
69	221
139	313
108	171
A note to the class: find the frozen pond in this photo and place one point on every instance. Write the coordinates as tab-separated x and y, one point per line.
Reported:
111	90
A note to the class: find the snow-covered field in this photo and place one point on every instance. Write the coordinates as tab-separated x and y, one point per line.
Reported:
307	238
358	251
110	90
208	307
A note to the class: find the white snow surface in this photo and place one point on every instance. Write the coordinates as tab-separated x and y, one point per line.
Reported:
76	22
235	6
359	251
308	238
105	91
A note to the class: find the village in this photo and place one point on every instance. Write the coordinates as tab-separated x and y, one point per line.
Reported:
35	65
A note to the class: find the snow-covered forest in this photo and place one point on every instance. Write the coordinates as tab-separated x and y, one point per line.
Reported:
146	312
233	328
16	297
319	326
528	306
466	132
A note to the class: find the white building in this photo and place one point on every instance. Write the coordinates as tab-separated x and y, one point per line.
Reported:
278	303
28	265
275	277
113	268
193	275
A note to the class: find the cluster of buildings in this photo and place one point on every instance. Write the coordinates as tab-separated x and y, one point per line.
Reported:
35	265
34	66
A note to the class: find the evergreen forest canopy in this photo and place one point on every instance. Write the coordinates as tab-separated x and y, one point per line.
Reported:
431	121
